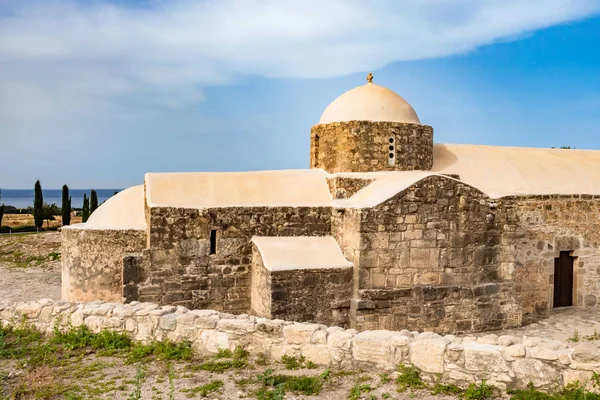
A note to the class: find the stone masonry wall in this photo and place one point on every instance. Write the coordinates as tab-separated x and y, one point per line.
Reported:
92	262
429	260
261	294
310	295
537	229
342	187
363	146
178	266
505	361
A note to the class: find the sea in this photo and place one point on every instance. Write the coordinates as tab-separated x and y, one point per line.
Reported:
23	198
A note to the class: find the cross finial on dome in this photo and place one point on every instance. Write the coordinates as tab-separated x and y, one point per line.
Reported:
370	78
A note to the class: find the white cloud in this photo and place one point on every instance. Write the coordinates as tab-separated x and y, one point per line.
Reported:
63	58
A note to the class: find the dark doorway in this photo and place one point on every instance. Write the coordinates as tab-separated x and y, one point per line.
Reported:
563	280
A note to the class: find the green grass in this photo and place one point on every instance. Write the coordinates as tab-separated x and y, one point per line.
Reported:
294	363
223	361
278	384
204	390
573	391
575	337
409	377
481	391
358	390
445	389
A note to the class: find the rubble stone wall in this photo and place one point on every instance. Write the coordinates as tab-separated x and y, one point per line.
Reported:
505	361
363	146
179	268
428	259
92	262
540	227
342	187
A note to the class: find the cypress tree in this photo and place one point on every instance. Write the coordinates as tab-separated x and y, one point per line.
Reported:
66	206
1	214
93	201
85	213
38	205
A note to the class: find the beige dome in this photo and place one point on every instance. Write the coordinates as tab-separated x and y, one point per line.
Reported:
124	210
369	102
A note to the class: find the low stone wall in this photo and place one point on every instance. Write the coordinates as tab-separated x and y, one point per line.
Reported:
505	361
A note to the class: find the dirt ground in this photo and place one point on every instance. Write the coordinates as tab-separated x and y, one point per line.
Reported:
14	220
30	266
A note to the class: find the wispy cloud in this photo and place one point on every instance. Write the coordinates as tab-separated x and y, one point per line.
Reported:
61	58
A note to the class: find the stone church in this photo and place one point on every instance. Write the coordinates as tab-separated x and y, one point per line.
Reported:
386	230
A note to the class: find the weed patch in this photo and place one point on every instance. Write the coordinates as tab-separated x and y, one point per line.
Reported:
204	390
445	389
481	391
307	385
409	377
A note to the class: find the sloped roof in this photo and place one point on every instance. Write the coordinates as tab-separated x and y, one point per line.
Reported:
290	253
503	171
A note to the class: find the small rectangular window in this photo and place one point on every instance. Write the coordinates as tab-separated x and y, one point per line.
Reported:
213	241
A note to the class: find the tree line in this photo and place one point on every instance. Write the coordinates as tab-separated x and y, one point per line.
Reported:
43	211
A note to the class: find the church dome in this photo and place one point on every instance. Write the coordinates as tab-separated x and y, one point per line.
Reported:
369	102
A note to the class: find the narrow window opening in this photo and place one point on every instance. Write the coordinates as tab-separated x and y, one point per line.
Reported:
316	152
213	241
392	150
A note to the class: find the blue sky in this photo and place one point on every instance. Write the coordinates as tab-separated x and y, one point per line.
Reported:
95	94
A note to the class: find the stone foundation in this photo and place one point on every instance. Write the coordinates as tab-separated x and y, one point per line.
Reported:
505	361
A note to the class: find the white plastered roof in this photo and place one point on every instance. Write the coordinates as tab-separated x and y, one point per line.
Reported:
291	253
504	171
369	102
124	210
238	189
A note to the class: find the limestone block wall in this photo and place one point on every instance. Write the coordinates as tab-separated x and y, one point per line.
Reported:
363	146
92	262
538	228
343	187
504	361
309	295
179	268
428	259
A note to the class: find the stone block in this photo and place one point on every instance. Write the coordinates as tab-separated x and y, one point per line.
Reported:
317	353
206	322
516	350
373	347
542	353
530	370
586	353
299	333
428	354
236	325
214	340
168	322
484	358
